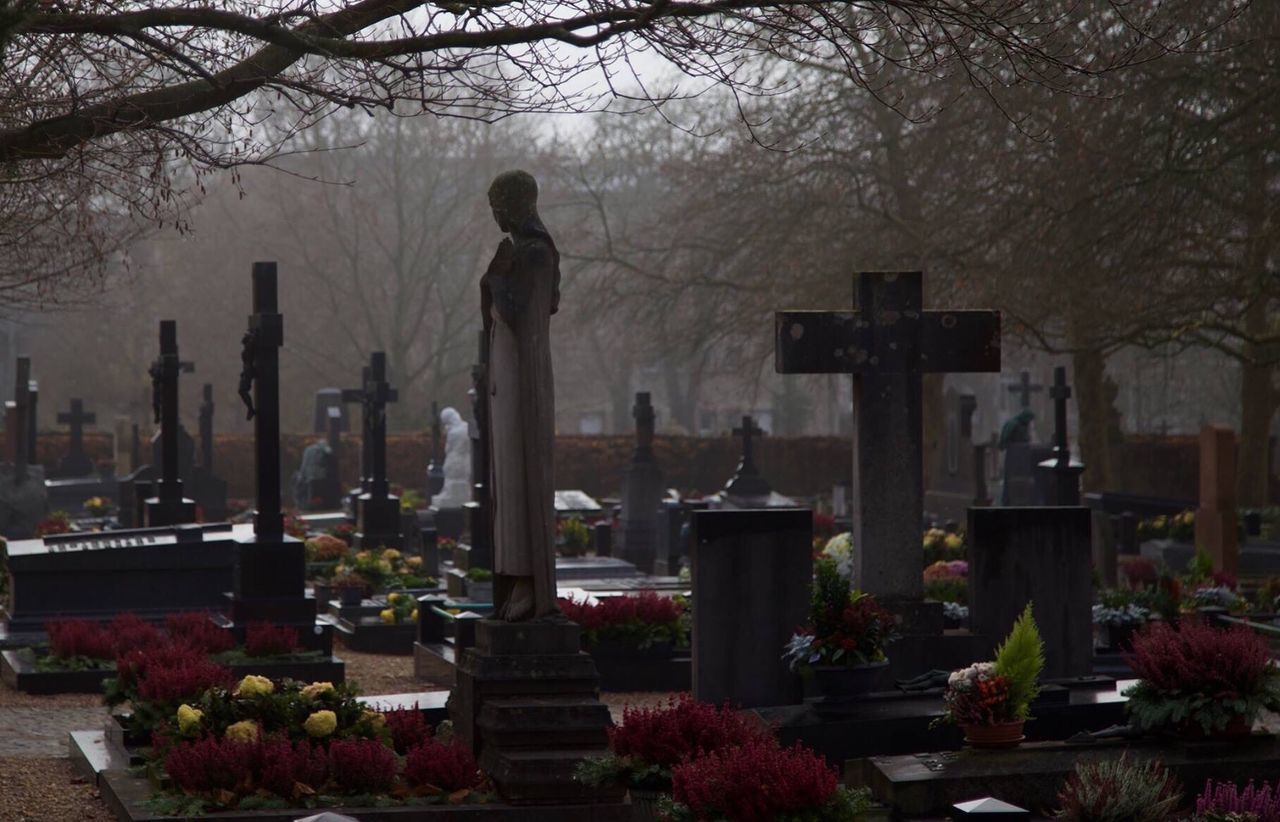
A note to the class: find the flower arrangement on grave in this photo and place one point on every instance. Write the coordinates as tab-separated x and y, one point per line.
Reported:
641	620
1227	802
1201	680
846	628
261	744
1119	608
411	501
947	581
375	567
58	522
98	506
942	545
575	537
992	700
401	607
1120	788
446	543
824	525
344	531
839	549
1138	573
294	526
650	742
348	581
325	548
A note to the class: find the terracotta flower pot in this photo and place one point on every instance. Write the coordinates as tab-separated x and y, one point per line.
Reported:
1002	735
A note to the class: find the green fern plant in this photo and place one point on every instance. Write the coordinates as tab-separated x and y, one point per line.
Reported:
1020	658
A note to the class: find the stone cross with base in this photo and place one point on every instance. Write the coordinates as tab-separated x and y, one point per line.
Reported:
356	395
1059	476
377	511
168	506
15	422
642	494
1025	389
76	463
269	581
746	481
888	343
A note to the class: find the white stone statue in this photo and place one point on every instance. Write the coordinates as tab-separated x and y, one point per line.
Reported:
457	462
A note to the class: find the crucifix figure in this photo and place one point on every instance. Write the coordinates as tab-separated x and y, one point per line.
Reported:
888	343
76	463
168	507
1023	388
746	481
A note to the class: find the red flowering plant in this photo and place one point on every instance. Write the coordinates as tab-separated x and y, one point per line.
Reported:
845	627
83	645
640	620
344	531
58	522
263	639
156	680
1200	677
760	781
433	766
197	629
650	742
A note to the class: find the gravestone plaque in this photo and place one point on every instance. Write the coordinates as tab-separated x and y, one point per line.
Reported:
1038	555
752	572
641	493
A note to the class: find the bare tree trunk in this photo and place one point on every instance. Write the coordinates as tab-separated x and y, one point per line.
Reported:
1259	399
1098	444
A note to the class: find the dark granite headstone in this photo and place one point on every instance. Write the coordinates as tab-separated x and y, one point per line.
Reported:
955	483
752	572
641	493
326	400
207	488
1058	478
169	506
1038	555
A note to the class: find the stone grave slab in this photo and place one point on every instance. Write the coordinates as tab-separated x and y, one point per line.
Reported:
573	502
927	784
571	569
70	494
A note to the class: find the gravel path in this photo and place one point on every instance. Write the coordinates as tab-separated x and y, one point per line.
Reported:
44	789
42	732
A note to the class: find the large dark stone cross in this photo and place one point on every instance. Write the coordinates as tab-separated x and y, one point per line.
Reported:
376	394
1059	475
888	343
357	395
76	463
169	506
747	482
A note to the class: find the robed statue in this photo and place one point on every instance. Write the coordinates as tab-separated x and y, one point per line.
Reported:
518	294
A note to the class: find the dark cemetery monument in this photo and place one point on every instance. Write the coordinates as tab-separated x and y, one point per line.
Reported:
208	489
641	493
33	421
477	552
269	582
76	478
747	488
356	395
1040	555
751	577
168	506
1058	478
1216	520
887	344
1021	455
958	479
76	462
378	520
435	468
23	501
327	399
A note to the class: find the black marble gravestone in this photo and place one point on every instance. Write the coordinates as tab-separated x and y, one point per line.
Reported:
76	462
207	488
641	493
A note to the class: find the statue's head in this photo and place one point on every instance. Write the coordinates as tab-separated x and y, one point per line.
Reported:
449	417
513	196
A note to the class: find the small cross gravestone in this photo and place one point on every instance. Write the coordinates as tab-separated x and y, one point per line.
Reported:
1059	476
641	492
1023	389
888	343
76	462
377	511
747	483
168	506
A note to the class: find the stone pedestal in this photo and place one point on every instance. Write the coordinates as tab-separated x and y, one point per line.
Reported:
378	522
176	510
269	585
450	522
527	702
480	536
1058	483
752	573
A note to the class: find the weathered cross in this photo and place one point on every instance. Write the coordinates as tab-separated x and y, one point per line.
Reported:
1024	387
747	481
1060	393
76	463
16	424
266	338
164	385
357	395
1059	476
887	344
206	428
376	395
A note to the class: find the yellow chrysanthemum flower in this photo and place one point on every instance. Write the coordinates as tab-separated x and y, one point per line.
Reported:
374	718
321	723
246	730
391	554
189	718
393	597
413	615
414	562
253	685
388	615
316	689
